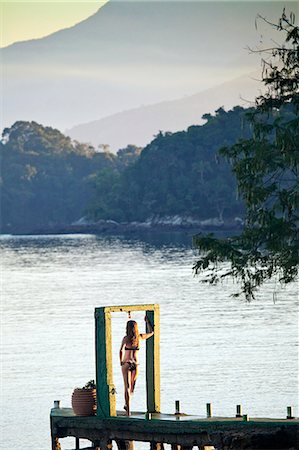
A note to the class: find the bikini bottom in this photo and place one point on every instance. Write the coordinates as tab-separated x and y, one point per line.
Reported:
132	365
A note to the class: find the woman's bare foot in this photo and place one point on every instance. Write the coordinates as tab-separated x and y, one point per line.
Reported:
127	410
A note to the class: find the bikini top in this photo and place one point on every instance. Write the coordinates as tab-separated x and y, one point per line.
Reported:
131	348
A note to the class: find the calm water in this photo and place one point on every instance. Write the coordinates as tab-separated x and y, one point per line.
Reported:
213	348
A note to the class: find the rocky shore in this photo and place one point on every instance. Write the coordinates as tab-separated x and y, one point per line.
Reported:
154	224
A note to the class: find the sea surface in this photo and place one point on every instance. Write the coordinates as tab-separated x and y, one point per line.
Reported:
214	348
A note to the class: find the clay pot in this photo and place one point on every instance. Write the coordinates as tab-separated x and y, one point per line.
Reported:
84	402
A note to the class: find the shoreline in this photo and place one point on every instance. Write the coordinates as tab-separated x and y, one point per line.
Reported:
111	227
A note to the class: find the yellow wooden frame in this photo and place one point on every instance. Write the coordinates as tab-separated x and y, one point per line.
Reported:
106	399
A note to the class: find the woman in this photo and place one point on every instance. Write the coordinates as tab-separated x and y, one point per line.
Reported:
128	356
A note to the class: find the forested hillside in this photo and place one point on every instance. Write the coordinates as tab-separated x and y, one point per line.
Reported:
45	177
48	180
177	174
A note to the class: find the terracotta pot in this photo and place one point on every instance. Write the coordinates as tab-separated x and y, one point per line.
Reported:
84	402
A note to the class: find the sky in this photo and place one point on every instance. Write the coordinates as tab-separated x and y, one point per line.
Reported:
124	57
23	20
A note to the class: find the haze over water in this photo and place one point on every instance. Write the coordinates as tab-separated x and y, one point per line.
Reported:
214	348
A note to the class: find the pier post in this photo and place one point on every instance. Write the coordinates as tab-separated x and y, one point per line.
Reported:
124	445
103	444
55	443
96	445
290	412
239	411
153	362
77	443
209	410
157	446
106	403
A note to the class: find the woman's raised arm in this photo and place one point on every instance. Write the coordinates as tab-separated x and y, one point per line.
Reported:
150	330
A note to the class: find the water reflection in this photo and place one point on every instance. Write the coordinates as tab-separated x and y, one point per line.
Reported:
213	348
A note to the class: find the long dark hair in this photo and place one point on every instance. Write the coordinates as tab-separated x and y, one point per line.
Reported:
133	333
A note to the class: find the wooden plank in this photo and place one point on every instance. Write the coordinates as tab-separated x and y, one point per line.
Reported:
200	433
109	368
188	423
127	308
153	363
103	400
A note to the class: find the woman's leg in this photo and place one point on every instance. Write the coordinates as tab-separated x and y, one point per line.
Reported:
127	387
134	375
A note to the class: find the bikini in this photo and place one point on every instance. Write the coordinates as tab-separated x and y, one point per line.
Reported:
132	365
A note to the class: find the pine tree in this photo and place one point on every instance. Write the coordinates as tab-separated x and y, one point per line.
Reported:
266	169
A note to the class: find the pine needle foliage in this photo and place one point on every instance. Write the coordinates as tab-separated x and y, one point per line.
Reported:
266	169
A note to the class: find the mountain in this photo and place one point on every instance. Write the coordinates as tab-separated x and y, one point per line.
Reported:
140	125
126	55
178	175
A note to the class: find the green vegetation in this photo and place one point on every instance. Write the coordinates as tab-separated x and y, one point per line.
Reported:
266	167
49	181
176	174
45	177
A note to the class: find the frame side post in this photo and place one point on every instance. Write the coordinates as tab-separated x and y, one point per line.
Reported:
109	366
103	374
153	363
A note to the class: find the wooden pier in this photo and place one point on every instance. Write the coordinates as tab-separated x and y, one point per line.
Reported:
181	432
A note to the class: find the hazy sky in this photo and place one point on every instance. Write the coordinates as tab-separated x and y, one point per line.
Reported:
124	56
22	20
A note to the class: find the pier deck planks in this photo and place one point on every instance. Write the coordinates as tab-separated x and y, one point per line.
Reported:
184	430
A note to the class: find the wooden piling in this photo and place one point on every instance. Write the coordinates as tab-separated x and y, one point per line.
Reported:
105	444
290	412
55	444
239	411
156	446
129	445
209	410
187	432
177	407
124	444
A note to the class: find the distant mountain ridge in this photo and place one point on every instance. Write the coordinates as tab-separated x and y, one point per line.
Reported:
126	55
139	125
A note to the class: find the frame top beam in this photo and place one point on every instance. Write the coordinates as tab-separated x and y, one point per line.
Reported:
126	308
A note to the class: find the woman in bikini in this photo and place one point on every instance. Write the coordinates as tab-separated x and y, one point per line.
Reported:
128	356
